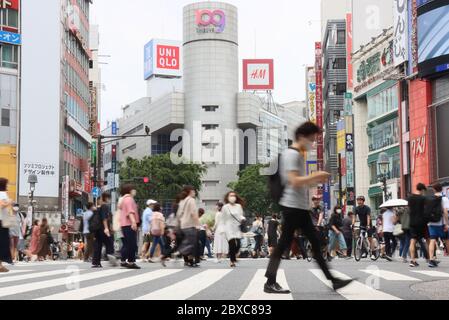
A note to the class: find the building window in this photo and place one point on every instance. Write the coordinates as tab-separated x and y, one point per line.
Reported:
210	108
9	56
9	18
383	102
130	148
211	126
337	64
383	135
337	89
211	183
341	37
5	118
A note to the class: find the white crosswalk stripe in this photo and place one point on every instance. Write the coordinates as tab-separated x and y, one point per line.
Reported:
94	291
34	275
356	290
188	288
389	275
8	274
255	288
71	280
432	273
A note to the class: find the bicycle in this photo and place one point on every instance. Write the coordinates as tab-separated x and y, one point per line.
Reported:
362	245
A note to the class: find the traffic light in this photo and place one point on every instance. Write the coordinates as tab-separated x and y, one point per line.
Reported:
146	180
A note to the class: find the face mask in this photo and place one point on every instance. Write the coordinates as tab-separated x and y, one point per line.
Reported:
233	199
15	209
339	211
133	193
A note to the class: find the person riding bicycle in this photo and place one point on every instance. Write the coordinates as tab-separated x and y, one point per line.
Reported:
363	212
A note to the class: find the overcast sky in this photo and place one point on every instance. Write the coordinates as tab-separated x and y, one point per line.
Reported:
285	30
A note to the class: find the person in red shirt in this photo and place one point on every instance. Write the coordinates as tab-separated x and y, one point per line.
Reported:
129	219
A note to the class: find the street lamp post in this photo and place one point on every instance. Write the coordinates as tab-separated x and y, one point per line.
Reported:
384	168
32	180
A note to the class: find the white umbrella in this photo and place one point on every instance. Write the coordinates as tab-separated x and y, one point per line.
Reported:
395	203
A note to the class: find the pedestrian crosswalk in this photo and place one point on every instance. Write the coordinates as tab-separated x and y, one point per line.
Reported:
77	283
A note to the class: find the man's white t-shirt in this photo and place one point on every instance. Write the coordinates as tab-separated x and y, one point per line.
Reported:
388	225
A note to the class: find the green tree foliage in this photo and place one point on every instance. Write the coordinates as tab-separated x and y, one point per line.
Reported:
166	178
253	187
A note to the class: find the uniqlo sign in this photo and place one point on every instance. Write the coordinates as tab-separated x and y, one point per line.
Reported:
258	74
162	58
168	57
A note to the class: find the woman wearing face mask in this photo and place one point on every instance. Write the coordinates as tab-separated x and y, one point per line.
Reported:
188	222
129	218
335	231
15	232
233	215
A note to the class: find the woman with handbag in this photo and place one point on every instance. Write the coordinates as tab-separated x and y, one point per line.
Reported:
189	225
235	219
5	207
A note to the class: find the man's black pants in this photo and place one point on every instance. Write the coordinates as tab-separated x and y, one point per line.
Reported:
294	219
102	239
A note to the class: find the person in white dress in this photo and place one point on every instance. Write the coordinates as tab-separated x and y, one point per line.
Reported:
234	217
221	246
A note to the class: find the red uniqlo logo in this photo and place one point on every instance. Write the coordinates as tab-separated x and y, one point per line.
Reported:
167	57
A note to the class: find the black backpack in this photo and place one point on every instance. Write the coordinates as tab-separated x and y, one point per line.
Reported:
95	223
275	186
433	208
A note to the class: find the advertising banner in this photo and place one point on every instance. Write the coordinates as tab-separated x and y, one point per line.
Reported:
258	74
319	102
162	58
400	49
349	38
311	94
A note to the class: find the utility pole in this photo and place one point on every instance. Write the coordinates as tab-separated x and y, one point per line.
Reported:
340	182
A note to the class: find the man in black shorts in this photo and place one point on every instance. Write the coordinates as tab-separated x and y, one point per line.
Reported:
364	213
416	203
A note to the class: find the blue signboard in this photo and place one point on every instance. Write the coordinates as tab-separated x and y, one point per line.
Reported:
114	128
10	37
96	192
148	60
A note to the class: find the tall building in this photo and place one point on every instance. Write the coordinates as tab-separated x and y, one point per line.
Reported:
10	41
334	88
425	148
55	104
206	118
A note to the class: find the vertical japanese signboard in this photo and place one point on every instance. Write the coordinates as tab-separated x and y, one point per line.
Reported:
319	102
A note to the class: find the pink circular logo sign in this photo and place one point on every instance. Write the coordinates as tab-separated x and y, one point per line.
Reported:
207	18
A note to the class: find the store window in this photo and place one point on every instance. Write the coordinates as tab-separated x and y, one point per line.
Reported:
383	135
383	102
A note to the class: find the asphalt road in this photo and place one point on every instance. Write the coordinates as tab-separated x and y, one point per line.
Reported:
74	280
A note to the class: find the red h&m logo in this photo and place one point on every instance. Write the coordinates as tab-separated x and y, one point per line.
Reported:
168	57
259	74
